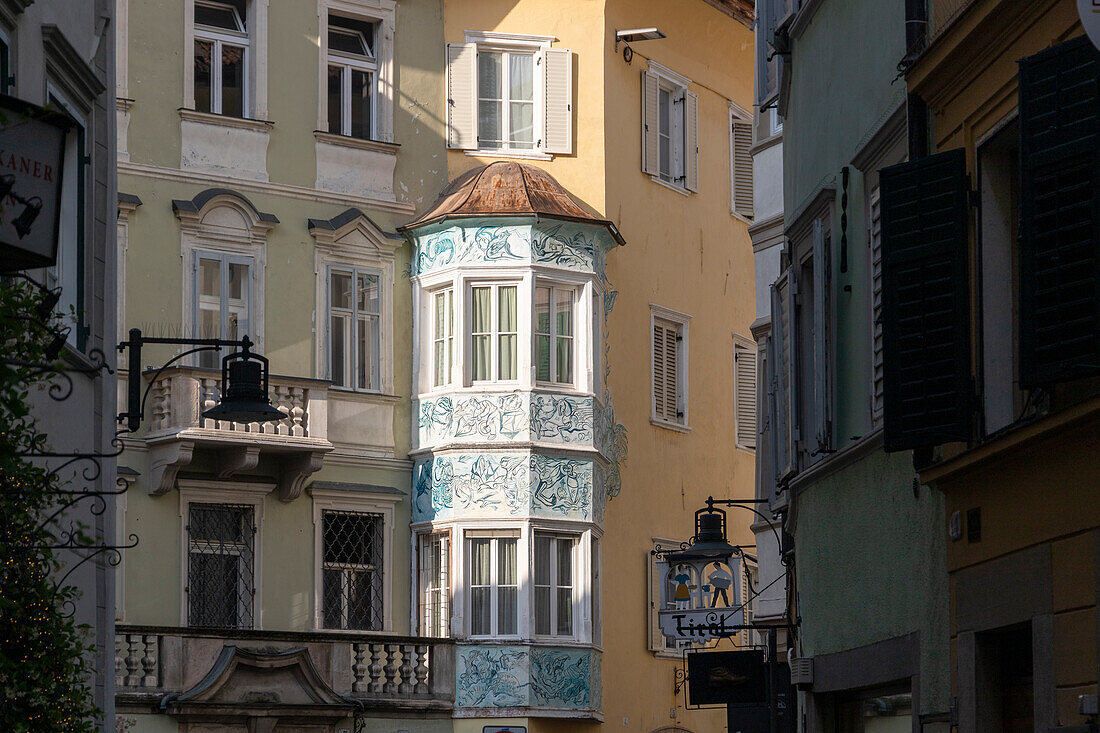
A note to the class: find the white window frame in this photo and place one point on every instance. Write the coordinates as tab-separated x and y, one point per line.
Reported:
382	13
424	602
347	63
494	535
217	37
677	87
682	322
358	502
195	491
494	333
575	299
351	337
224	259
738	116
495	42
574	541
256	65
447	339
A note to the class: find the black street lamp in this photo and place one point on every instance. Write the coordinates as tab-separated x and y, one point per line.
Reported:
244	380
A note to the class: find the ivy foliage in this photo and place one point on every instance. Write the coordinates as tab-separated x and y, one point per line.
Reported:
45	662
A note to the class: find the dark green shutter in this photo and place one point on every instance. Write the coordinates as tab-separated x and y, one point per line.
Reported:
1060	214
925	302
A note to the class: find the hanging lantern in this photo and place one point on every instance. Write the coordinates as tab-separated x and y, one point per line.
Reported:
244	390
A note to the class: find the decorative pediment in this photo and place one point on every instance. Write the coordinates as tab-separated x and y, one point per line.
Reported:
284	683
223	208
355	233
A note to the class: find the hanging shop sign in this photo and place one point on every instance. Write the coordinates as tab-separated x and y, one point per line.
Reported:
700	599
32	149
727	678
1089	10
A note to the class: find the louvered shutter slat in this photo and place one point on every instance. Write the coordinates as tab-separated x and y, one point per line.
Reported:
821	357
742	169
691	141
875	240
659	370
672	370
651	158
462	96
925	305
744	367
558	95
1060	214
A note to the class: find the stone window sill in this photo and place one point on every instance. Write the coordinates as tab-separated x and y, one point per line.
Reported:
243	123
358	143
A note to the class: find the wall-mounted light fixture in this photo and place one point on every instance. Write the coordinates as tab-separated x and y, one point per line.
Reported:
635	34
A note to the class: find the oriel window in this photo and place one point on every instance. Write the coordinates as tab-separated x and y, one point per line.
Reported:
554	334
554	585
221	57
352	73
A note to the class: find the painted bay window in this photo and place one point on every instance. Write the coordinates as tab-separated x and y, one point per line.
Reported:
355	336
443	324
493	582
494	333
351	568
221	57
435	602
554	306
553	584
352	77
220	565
223	300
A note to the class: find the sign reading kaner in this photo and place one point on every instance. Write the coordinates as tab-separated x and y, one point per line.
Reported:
32	150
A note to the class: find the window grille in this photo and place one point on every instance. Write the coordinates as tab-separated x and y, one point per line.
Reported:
221	565
351	558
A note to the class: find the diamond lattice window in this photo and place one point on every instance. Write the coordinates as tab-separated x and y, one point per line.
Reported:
220	565
352	571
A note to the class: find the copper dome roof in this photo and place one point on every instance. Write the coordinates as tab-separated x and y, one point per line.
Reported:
507	188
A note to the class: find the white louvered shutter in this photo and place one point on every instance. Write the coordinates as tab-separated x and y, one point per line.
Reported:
651	150
557	76
874	238
666	371
742	168
656	638
744	378
821	371
462	96
691	142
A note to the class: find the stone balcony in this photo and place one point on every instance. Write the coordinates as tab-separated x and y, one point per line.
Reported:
294	676
175	429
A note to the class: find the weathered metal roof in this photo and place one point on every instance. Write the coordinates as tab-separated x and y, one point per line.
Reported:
507	188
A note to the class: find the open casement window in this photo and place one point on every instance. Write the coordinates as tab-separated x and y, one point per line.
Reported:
443	336
435	576
223	300
927	397
221	556
351	570
1060	214
221	57
493	585
355	335
744	392
669	381
494	333
554	307
554	583
741	198
509	98
874	243
352	77
670	115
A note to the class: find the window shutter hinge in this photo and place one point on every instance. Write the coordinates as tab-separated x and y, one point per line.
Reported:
679	338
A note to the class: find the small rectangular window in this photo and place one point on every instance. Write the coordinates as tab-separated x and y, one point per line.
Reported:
435	564
506	100
494	333
494	586
554	334
442	337
554	573
352	74
220	565
221	46
351	569
355	334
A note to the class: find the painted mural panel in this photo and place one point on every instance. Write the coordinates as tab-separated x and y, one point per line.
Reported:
511	417
561	487
560	678
492	677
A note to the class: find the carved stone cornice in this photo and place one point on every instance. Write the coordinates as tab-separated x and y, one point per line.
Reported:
67	69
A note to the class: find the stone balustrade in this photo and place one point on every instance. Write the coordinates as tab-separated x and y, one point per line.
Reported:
380	671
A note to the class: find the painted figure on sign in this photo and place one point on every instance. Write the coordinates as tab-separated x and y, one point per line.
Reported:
683	590
721	580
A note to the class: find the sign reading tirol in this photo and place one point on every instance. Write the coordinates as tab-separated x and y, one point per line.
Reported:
700	600
32	153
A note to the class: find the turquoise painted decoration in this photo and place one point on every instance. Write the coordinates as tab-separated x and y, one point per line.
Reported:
497	676
561	487
511	417
559	418
560	678
492	676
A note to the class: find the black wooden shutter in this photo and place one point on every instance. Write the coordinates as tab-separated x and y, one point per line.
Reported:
925	304
1060	214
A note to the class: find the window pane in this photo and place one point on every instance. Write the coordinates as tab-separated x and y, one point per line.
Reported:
542	358
564	360
542	560
521	79
563	322
663	114
542	609
338	338
542	310
360	104
506	315
348	35
340	290
506	562
210	279
367	353
490	108
238	281
369	297
522	122
488	75
232	80
488	120
565	562
565	612
482	325
335	95
480	611
482	321
440	322
209	327
479	561
440	358
203	50
506	608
